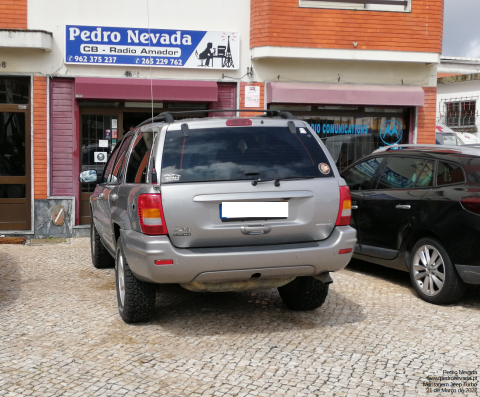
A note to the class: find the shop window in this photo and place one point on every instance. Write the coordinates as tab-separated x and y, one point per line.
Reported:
138	162
368	5
460	113
350	135
14	90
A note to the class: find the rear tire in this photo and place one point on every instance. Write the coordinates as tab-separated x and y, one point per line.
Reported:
136	298
304	293
101	258
432	273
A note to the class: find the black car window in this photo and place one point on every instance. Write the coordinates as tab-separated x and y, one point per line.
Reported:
448	173
425	178
114	174
242	153
402	173
137	164
361	175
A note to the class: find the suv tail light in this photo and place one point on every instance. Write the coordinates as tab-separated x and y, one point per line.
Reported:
345	210
471	204
150	214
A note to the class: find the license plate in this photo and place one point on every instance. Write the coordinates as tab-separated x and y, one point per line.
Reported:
233	210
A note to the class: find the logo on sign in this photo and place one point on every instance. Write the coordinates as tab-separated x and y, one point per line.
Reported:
391	132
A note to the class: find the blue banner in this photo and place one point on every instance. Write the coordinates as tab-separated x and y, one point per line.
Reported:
99	45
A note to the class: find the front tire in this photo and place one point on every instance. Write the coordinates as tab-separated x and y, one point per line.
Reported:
101	258
433	275
135	298
304	293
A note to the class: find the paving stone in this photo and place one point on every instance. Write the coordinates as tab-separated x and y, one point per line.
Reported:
61	335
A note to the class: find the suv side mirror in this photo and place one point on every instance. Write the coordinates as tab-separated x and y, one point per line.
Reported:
88	176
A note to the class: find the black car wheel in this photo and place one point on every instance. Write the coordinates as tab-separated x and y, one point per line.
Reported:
304	293
136	298
101	258
433	274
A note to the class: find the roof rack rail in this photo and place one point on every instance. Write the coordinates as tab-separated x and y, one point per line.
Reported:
409	145
167	117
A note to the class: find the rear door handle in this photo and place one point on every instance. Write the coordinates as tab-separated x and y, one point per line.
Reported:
255	229
354	207
403	206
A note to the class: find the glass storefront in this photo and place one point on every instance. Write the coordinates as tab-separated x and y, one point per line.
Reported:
351	133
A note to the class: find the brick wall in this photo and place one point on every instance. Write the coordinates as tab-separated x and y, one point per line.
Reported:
283	23
242	99
426	117
13	14
40	136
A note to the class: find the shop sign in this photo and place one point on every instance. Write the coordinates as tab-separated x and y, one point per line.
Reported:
340	128
252	96
100	45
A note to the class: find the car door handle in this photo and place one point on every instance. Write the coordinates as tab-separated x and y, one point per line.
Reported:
255	229
113	197
101	196
403	207
354	207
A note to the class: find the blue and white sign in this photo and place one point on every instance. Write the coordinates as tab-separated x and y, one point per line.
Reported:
391	132
340	128
100	45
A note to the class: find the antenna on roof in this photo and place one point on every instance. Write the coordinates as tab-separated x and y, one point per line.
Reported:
150	52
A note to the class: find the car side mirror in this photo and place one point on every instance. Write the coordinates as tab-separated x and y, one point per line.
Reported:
88	176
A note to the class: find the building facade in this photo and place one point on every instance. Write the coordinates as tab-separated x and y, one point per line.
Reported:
458	97
76	75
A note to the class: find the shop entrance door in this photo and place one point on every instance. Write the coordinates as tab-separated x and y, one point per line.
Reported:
15	185
99	135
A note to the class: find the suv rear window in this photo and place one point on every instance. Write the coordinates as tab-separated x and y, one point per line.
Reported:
242	153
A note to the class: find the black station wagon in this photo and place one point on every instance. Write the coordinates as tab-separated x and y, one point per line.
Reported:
417	208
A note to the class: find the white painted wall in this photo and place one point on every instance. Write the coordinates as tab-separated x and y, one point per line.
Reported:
349	72
53	15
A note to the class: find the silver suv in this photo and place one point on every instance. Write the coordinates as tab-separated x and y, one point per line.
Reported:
220	204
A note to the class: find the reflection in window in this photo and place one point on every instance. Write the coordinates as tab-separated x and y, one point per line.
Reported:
12	144
241	153
137	164
360	176
403	172
350	138
448	173
116	173
12	191
14	90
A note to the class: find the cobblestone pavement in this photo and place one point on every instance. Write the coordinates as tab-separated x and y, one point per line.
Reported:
61	335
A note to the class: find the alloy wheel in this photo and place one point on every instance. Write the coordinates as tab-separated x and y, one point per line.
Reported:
429	270
121	279
92	238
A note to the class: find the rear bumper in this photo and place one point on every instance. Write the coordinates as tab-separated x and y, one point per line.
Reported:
230	264
469	274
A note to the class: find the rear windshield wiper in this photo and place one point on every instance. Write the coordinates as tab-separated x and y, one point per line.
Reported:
277	180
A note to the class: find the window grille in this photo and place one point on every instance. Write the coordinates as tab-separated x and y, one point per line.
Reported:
369	5
460	113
